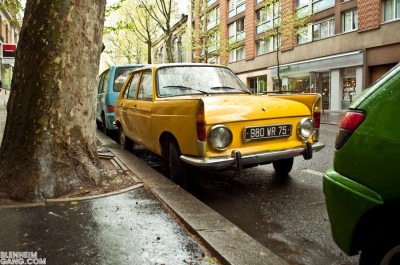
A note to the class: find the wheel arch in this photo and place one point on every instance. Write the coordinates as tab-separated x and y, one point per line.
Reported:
164	140
377	221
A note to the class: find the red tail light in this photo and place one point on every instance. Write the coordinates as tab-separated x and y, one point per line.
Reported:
317	120
201	124
110	108
348	124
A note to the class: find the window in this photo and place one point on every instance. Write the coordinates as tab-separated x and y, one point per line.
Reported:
350	21
214	60
213	18
213	41
391	9
235	7
268	17
210	2
303	35
104	82
236	31
131	91
305	7
268	45
146	87
236	54
323	29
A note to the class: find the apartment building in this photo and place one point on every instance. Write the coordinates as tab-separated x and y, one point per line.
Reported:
344	46
9	35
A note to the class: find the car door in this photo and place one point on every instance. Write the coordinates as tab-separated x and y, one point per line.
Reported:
101	93
142	114
127	106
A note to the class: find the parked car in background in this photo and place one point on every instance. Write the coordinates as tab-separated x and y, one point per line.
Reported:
110	83
362	190
202	117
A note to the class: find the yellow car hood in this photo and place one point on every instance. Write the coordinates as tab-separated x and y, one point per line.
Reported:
231	108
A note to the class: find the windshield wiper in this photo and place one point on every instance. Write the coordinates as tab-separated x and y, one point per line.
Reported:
229	87
221	87
189	88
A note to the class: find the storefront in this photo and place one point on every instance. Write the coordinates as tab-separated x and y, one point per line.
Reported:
338	78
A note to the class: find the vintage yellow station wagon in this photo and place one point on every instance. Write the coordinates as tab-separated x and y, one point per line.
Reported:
202	117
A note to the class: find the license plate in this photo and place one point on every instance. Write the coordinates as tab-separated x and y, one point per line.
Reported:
267	132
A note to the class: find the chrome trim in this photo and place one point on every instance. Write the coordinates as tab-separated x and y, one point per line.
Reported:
250	159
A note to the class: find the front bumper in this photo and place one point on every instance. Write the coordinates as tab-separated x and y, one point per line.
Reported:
347	202
238	161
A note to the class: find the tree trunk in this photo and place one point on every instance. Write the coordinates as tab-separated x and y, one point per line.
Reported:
49	143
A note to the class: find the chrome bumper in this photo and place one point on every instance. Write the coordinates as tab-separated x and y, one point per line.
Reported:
238	161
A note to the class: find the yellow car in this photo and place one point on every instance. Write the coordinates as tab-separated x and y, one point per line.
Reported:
201	116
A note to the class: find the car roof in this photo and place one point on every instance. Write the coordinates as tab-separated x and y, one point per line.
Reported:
156	66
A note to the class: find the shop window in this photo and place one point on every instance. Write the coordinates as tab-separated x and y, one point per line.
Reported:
349	84
323	29
258	85
391	10
350	21
268	17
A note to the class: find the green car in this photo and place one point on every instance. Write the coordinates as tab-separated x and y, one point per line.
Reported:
362	190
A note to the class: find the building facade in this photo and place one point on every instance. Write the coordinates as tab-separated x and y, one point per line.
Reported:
9	35
344	46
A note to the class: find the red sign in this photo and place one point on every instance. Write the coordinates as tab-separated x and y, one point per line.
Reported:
9	50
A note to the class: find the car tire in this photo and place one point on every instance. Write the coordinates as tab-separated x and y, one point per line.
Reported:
103	125
124	141
180	172
383	249
283	167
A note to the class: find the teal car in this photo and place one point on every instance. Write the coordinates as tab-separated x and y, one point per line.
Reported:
362	190
110	83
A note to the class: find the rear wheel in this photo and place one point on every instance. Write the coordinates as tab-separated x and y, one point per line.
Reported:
283	167
179	171
124	141
383	249
103	125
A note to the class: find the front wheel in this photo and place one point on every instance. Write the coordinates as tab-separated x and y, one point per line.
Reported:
179	171
283	167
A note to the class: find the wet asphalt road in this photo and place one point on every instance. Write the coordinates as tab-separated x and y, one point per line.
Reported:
130	228
288	217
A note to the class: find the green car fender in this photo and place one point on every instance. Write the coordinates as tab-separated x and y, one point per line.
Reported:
344	216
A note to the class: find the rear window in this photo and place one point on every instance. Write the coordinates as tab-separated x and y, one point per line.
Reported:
120	76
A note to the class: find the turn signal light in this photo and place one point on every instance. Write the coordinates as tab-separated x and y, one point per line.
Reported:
201	124
348	124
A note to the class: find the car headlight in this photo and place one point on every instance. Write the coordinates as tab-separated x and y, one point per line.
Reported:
305	128
220	137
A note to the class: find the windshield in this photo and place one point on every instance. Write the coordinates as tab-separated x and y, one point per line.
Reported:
195	80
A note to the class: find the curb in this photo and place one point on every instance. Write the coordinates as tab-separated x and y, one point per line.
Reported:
225	240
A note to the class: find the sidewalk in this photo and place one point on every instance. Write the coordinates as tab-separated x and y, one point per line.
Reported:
156	223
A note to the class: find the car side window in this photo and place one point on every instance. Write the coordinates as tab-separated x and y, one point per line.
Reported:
146	87
130	92
104	82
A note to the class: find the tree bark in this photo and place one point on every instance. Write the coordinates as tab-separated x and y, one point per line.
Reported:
49	143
